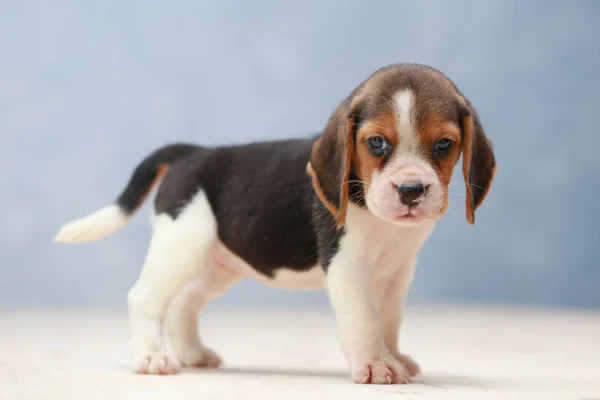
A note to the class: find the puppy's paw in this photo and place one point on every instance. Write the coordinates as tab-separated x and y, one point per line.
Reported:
196	355
410	365
381	369
157	363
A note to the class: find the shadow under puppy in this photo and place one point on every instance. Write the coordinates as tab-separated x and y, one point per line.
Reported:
347	210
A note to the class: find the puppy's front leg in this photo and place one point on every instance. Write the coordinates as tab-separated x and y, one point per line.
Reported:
390	299
359	323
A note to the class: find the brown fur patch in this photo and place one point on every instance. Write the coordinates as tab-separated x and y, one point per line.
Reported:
331	161
365	162
317	186
162	170
348	153
483	146
433	128
487	188
467	152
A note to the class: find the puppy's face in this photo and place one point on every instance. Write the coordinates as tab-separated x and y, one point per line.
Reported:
393	144
405	153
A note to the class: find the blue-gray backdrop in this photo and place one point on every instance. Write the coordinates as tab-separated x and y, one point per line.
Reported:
87	88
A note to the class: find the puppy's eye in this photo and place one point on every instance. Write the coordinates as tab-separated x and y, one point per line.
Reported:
377	145
442	147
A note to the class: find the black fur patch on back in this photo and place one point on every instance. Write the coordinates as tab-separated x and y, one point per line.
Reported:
262	199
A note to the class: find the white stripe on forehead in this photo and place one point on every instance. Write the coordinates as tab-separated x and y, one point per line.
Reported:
408	141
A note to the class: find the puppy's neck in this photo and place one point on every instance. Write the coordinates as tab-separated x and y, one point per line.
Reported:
373	228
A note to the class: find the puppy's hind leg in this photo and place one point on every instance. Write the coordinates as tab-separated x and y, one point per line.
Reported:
176	256
181	323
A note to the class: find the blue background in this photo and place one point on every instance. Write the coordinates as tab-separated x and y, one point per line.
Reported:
88	88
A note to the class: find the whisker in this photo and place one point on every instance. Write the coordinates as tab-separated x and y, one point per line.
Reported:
357	197
354	181
476	186
469	184
455	213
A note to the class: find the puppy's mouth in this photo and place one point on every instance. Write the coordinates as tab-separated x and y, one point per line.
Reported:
410	216
414	211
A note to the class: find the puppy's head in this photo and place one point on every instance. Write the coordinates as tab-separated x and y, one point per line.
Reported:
392	145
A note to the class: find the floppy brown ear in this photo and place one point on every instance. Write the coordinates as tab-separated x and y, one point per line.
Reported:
331	160
479	163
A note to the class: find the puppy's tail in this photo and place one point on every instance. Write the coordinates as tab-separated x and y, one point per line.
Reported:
111	218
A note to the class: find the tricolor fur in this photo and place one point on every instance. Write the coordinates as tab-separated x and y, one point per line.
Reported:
347	210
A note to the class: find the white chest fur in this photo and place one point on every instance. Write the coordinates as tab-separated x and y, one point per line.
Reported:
383	246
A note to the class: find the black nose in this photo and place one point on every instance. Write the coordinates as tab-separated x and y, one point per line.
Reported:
409	192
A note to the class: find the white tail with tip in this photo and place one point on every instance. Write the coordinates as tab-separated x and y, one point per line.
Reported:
95	226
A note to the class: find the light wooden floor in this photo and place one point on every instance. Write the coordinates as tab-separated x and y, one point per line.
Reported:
465	354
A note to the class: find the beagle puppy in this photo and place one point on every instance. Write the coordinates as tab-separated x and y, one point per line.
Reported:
347	210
